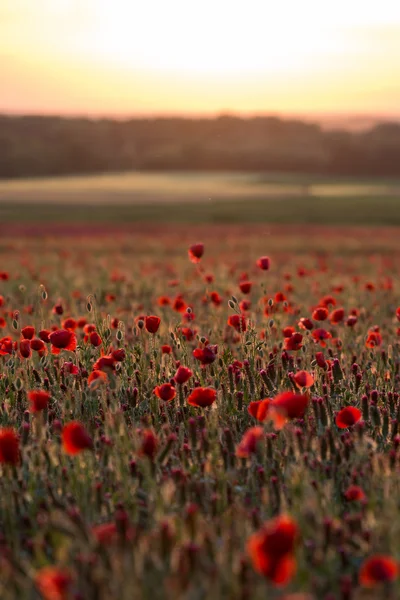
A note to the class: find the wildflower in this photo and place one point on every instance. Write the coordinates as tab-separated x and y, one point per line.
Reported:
28	332
204	355
53	583
202	397
354	493
238	322
75	438
288	406
378	569
182	375
347	417
264	263
149	445
196	252
62	339
259	409
320	314
38	399
249	442
303	379
271	549
294	342
152	323
165	392
9	446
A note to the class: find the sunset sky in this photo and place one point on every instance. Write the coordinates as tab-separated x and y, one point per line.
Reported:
128	57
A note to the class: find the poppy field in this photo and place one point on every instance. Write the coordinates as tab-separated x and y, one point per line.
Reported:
200	412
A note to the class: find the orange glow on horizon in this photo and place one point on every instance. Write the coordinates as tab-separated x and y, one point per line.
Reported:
98	57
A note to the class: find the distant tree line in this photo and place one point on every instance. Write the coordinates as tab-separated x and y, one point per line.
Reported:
43	146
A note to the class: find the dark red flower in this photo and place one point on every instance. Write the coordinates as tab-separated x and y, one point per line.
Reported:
347	417
245	287
182	375
303	379
44	335
62	339
320	314
28	332
205	355
165	392
294	342
69	324
95	339
336	316
202	397
152	323
38	399
196	252
264	263
306	323
149	445
105	363
9	446
166	349
378	569
75	438
354	493
25	348
320	335
38	345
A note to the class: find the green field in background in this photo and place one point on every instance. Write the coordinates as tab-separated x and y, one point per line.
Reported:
200	198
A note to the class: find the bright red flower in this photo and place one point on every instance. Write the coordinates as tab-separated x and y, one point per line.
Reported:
354	494
347	417
264	263
62	339
182	375
188	333
152	323
306	323
105	363
288	332
259	409
202	397
321	362
216	298
288	406
303	379
196	252
374	339
238	322
271	549
53	583
28	332
75	438
378	569
294	342
320	335
249	442
320	314
6	346
97	374
9	446
38	345
166	349
38	399
69	323
165	392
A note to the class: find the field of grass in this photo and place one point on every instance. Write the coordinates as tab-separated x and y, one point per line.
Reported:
205	198
199	424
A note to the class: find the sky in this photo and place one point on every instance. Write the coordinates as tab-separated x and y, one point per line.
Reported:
146	57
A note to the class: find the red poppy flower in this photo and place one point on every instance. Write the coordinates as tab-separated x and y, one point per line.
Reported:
149	445
374	339
152	323
62	339
44	335
336	316
25	348
271	549
69	324
182	375
264	263
303	379
96	375
398	313
38	345
39	400
70	369
9	446
320	335
378	569
75	438
351	320
119	354
216	298
249	442
165	392
196	252
6	346
259	409
288	332
288	406
347	417
354	493
245	287
321	362
205	355
166	349
202	397
179	305
188	333
95	339
320	314
89	328
53	583
306	323
238	322
105	363
294	342
28	332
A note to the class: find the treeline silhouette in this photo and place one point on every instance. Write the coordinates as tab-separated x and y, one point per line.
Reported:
44	146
